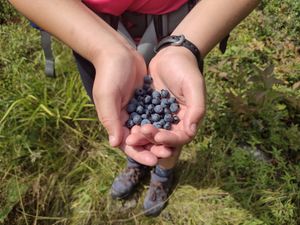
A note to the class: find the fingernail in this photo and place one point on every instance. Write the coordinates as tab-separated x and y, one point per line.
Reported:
193	128
112	140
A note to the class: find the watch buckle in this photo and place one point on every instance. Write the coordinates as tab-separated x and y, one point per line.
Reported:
171	40
179	41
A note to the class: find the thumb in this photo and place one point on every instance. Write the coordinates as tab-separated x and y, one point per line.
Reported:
108	106
194	95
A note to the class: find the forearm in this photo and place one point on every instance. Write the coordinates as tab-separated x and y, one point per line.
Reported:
74	24
211	20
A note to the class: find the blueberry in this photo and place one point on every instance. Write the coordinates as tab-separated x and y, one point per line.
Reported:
148	79
140	98
137	119
131	108
133	114
150	108
146	87
144	116
155	94
129	124
162	122
149	91
167	111
147	99
139	92
155	101
168	118
174	107
147	113
155	117
158	109
172	100
167	126
157	125
140	110
164	103
164	93
133	101
176	119
145	121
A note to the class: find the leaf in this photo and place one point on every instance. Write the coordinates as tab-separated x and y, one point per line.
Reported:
259	96
45	109
293	102
268	71
239	105
256	76
223	75
14	192
268	77
281	107
270	81
213	69
296	85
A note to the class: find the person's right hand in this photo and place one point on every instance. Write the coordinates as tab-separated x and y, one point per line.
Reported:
118	73
119	68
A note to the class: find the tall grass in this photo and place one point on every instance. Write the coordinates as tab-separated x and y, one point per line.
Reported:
56	166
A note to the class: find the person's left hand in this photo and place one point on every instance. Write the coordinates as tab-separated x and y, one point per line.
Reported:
175	69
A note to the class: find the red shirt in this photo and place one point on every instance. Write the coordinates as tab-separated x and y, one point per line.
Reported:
117	7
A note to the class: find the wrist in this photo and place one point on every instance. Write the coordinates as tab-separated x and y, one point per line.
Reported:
171	57
116	52
174	56
180	41
174	51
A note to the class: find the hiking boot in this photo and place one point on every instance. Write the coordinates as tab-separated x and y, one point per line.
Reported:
158	193
127	180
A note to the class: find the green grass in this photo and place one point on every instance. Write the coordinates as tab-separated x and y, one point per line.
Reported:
56	165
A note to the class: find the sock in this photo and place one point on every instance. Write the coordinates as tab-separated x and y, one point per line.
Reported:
163	172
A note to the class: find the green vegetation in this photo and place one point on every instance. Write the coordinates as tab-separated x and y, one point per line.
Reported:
56	166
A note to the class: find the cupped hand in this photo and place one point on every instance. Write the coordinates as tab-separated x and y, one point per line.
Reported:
118	73
144	152
176	69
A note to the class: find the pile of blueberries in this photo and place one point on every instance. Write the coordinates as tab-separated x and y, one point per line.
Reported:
149	106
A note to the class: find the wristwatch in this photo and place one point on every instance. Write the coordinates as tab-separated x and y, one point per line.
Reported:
180	40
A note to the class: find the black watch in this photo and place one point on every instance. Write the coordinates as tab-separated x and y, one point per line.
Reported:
180	40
